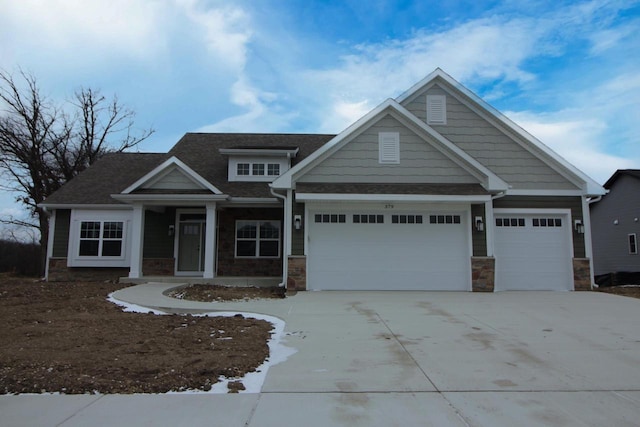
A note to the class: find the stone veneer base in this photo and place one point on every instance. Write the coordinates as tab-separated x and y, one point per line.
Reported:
297	273
483	273
582	274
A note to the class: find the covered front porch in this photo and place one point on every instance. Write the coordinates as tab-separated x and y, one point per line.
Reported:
218	243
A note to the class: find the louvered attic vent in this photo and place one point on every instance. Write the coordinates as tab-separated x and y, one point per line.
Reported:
389	147
436	109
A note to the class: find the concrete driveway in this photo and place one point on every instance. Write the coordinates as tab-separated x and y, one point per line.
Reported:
409	358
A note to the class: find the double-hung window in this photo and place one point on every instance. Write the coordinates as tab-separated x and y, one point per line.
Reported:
257	239
101	238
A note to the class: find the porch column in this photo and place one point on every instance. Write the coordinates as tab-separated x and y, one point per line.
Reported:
210	242
488	226
137	241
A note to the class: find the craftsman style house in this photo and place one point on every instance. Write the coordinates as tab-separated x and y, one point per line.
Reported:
433	190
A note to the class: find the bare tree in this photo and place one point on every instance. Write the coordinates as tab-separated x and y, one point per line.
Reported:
42	146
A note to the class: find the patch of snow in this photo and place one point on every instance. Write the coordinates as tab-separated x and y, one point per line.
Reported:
252	381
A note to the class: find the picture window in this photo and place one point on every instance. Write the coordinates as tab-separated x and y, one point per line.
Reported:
101	239
257	239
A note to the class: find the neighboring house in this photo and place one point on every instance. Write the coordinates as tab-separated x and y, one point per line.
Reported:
615	225
433	190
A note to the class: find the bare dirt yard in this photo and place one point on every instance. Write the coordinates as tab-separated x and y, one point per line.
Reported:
66	337
210	293
627	291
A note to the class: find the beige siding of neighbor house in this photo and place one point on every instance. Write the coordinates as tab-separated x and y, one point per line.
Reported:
358	161
174	180
489	145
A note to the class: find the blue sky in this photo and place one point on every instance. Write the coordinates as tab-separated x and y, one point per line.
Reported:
568	72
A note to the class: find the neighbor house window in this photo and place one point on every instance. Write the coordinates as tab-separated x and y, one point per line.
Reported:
257	169
101	238
243	168
633	244
257	239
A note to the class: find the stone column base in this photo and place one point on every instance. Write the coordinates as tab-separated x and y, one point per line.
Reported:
581	274
297	273
483	274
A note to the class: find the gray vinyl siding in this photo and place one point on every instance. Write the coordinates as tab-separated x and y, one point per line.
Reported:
358	161
297	236
478	238
489	145
157	241
174	180
542	202
610	241
61	233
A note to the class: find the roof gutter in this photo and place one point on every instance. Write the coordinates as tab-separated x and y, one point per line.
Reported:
286	240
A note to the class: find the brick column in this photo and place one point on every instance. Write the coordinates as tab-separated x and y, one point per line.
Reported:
297	273
483	274
581	274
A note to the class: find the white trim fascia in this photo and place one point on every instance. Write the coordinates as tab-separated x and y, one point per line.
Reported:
524	192
163	199
159	170
533	211
392	197
290	154
493	182
284	181
591	187
88	207
253	200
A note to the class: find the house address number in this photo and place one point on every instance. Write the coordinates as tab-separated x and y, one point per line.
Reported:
388	206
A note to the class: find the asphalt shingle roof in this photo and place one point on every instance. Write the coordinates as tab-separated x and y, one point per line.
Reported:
114	172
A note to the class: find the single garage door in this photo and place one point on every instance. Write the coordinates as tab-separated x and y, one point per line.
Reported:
533	252
355	250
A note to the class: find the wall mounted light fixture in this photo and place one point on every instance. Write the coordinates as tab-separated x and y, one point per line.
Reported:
297	222
578	226
479	223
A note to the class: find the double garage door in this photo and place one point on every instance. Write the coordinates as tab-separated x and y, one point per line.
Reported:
350	249
533	251
358	249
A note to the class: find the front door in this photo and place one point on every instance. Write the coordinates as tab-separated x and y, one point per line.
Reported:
191	243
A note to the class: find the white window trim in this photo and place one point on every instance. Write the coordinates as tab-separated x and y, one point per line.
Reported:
389	147
436	109
78	217
257	239
283	165
635	243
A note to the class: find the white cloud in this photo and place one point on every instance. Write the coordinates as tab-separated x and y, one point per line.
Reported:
226	30
580	141
69	28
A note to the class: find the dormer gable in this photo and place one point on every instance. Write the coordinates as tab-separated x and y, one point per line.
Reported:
172	175
258	164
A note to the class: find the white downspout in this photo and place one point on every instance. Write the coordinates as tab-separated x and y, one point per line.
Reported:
286	237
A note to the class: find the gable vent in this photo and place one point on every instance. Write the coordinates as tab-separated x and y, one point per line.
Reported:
436	109
389	147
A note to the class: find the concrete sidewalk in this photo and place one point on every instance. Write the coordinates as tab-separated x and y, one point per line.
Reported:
403	358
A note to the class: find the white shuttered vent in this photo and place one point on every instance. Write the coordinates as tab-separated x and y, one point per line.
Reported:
389	147
436	109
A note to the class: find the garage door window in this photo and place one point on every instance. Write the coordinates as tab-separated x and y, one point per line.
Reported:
368	219
330	218
509	222
444	219
257	239
406	219
547	222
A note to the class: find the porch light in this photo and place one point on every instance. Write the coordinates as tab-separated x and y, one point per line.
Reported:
297	222
578	226
479	224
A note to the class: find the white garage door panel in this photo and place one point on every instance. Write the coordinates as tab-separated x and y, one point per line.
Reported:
388	256
533	258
